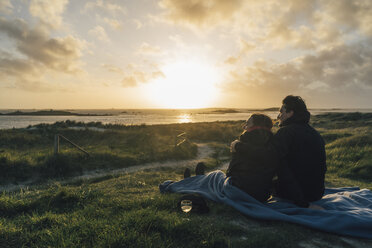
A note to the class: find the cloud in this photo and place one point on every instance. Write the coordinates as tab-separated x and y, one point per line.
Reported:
138	23
178	39
200	13
246	47
294	11
60	54
263	21
341	67
35	54
352	15
22	74
100	33
35	86
139	77
314	24
145	48
130	81
113	23
305	25
15	67
113	68
136	75
282	36
49	12
106	12
110	8
232	60
6	6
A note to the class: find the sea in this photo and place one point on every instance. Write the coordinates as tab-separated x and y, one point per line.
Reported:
147	116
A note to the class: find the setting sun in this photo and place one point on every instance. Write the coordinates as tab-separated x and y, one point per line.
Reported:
186	84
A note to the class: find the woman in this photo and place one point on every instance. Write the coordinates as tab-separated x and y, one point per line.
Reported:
253	170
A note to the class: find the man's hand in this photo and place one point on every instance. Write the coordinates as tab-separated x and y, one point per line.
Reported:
316	207
232	146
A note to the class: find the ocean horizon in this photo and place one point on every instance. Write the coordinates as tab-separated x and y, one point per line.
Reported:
147	116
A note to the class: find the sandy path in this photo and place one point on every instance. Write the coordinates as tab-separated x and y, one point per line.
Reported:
204	151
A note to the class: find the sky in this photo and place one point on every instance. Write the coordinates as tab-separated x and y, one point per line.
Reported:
77	54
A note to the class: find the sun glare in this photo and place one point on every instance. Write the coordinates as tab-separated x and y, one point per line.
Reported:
184	118
187	84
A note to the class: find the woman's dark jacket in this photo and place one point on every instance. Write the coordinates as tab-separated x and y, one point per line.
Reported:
252	169
302	161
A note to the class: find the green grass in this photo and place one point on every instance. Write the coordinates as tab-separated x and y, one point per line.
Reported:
104	214
29	153
128	211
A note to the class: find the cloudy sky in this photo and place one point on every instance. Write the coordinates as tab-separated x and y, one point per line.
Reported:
184	54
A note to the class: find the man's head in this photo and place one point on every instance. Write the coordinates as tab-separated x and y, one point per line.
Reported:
292	106
258	120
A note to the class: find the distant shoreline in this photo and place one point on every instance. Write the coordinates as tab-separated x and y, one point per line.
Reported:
50	113
23	118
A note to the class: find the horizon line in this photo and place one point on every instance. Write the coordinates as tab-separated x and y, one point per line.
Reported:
232	108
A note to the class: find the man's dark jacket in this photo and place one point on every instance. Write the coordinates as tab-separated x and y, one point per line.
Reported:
302	161
252	168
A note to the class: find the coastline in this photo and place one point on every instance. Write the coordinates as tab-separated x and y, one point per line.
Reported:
142	116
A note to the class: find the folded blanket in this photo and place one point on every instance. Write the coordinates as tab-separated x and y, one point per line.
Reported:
348	211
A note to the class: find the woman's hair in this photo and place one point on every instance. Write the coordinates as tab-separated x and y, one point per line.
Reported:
261	120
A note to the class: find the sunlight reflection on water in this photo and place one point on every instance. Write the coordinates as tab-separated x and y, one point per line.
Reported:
184	118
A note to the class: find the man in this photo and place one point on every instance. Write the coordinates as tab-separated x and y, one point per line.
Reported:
301	150
302	155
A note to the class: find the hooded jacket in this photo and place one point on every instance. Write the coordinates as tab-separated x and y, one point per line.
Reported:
252	169
302	158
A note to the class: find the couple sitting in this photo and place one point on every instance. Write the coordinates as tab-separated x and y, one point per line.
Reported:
294	156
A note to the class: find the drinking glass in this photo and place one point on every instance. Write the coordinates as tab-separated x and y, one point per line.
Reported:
186	205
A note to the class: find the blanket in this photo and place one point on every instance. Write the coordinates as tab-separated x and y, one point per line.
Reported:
348	211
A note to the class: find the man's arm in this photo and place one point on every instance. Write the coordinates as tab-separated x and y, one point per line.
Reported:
288	182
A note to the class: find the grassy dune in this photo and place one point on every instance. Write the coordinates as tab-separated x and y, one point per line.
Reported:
128	210
29	153
348	145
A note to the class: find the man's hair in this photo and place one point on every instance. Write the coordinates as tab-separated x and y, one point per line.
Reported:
261	120
295	104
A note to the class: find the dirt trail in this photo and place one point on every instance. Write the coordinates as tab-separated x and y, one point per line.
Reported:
204	151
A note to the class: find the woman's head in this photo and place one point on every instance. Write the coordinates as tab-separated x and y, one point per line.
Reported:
259	121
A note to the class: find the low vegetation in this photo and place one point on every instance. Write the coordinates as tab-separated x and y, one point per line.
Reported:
128	211
348	140
29	153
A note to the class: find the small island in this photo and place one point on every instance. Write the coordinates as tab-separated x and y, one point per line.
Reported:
220	111
50	113
225	111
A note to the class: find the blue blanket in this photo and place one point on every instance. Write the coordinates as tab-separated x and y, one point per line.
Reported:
348	211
